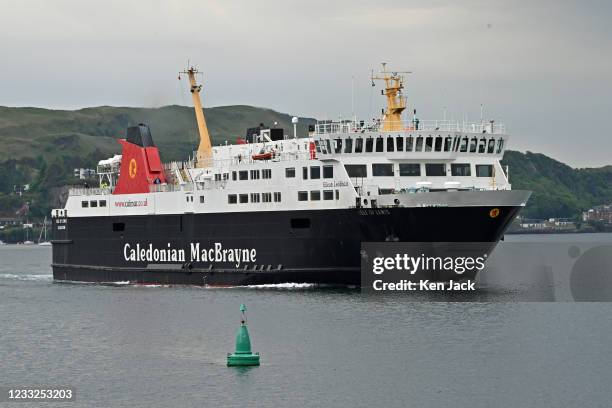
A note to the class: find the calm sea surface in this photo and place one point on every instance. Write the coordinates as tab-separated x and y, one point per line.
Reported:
151	346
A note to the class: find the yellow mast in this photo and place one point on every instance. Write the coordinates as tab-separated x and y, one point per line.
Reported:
205	148
396	102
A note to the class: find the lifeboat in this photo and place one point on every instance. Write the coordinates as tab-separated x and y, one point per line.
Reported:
263	156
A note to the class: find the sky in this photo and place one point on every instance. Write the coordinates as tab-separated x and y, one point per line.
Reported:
543	68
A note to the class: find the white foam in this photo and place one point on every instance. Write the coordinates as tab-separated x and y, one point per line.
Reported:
26	277
286	285
150	285
120	283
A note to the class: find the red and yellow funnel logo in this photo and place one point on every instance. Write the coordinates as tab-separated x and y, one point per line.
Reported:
494	213
133	168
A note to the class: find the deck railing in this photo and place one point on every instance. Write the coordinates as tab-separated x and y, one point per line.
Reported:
491	127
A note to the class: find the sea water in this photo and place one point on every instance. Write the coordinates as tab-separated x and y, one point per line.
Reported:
155	345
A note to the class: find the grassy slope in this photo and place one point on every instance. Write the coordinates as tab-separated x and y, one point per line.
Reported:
558	190
30	132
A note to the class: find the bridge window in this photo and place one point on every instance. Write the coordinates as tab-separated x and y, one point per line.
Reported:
369	145
456	143
482	146
379	144
382	169
399	143
409	143
348	145
318	146
243	175
243	198
290	172
315	172
419	144
328	144
410	169
356	170
438	145
328	172
447	143
338	145
484	170
473	144
266	197
93	203
460	169
464	145
435	169
232	199
428	143
358	145
85	204
500	145
302	195
491	146
390	147
277	197
315	195
328	195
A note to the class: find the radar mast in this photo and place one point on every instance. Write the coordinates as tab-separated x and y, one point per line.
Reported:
396	102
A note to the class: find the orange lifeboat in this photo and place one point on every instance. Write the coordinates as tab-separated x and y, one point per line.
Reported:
263	156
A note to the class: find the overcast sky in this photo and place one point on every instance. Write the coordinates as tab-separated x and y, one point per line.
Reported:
543	68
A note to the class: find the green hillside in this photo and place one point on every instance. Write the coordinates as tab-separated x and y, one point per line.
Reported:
558	189
41	147
30	132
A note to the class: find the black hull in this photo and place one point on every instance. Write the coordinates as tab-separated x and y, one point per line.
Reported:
325	249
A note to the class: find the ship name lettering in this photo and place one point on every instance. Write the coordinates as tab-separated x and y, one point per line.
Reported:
151	254
222	255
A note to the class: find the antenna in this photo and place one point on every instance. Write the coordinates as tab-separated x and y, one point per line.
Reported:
353	97
396	102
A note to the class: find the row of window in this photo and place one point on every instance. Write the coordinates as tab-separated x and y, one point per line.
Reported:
312	172
254	198
248	174
410	144
315	195
93	203
414	170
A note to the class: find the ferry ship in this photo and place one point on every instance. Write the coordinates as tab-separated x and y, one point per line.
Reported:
275	207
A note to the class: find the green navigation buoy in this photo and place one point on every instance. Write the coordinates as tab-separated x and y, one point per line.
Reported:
243	355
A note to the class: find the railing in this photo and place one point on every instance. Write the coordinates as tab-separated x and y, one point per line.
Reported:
169	188
490	127
81	191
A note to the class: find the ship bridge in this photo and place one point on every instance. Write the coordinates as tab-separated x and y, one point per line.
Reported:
413	140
